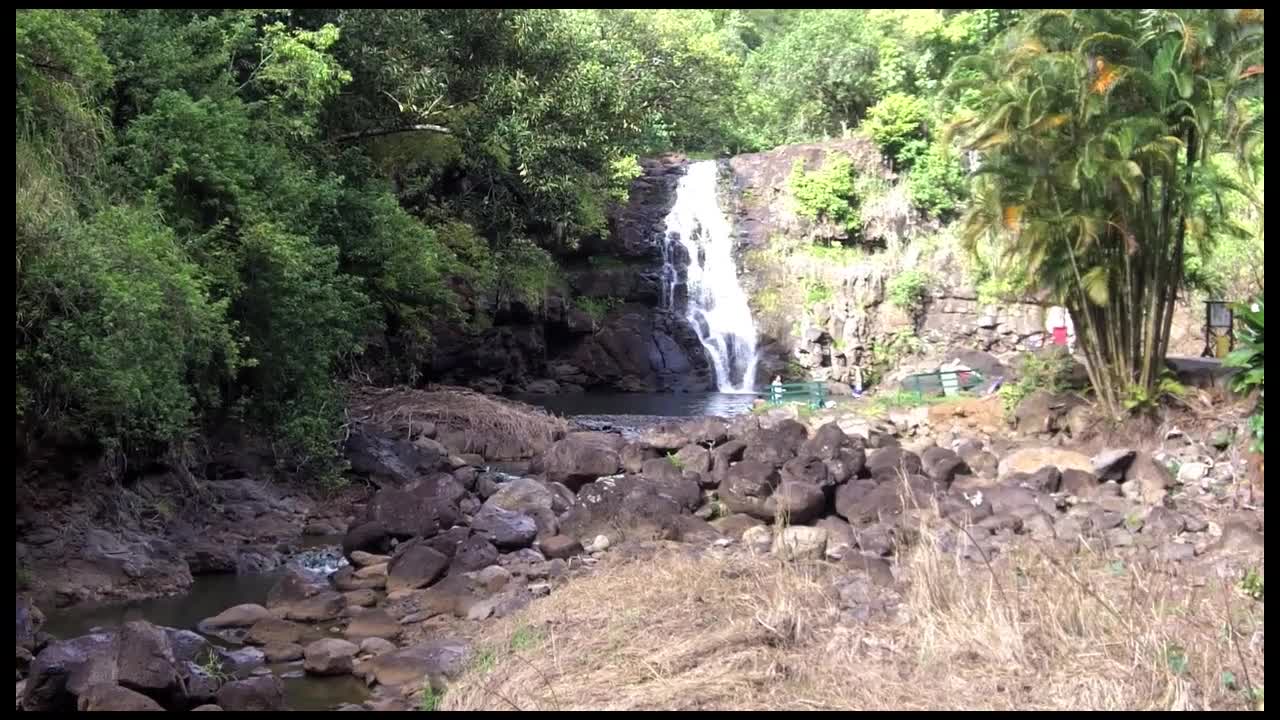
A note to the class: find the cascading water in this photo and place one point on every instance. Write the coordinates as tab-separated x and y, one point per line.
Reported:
717	306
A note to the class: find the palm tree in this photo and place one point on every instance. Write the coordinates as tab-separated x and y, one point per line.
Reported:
1094	126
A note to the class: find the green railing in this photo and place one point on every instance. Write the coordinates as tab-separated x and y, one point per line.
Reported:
813	393
943	382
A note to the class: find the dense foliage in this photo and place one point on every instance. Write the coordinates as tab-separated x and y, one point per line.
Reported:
218	212
1097	128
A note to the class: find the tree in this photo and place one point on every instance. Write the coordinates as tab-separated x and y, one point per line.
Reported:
1094	126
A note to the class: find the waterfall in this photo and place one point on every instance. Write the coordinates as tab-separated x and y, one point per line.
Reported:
717	307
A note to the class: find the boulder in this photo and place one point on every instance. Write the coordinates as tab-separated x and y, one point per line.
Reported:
808	470
865	501
942	465
504	528
29	621
406	514
797	501
282	653
275	631
826	443
375	623
376	646
801	542
735	525
360	598
634	454
187	645
581	457
560	546
1046	479
264	692
1042	412
234	617
1149	478
345	580
887	464
113	698
368	538
210	707
372	571
415	566
473	554
1077	482
1028	460
144	659
1111	464
841	540
770	447
65	669
628	504
746	486
200	685
318	608
241	663
693	458
329	656
412	665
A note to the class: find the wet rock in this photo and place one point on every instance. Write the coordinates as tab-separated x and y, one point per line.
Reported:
114	698
417	565
375	623
265	692
330	656
504	528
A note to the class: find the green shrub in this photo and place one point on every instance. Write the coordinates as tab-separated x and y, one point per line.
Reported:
828	194
888	353
597	308
1249	358
431	699
937	183
817	292
894	122
1049	370
908	289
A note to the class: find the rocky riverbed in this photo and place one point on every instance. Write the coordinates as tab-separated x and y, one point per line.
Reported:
447	544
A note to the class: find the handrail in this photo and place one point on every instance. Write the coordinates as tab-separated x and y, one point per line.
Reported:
814	392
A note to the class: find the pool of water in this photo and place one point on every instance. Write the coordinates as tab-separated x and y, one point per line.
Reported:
210	595
653	404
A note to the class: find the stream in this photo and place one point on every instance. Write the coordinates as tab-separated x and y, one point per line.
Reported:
210	595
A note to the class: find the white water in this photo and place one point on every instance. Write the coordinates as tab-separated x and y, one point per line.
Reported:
717	307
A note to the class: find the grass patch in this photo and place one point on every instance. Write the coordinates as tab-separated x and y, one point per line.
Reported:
597	308
1031	631
816	292
676	462
431	699
525	637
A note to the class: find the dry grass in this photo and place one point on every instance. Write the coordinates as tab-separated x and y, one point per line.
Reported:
730	631
485	421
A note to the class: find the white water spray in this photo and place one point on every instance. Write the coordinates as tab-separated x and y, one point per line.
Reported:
717	306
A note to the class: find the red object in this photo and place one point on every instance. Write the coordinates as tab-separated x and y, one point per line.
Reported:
1060	336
